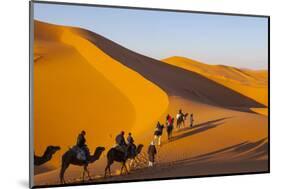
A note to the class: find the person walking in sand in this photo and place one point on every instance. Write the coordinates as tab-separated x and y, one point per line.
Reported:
191	120
169	125
168	120
151	154
158	133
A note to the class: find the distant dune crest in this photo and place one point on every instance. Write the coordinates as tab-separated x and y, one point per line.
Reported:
84	81
251	83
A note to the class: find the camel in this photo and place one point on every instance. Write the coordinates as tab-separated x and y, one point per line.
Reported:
47	156
70	157
116	155
181	119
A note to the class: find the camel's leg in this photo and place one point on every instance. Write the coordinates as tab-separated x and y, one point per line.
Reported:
107	168
109	171
87	171
83	176
124	165
121	171
64	166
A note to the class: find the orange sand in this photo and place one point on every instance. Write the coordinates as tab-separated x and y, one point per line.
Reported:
215	129
84	88
79	87
250	83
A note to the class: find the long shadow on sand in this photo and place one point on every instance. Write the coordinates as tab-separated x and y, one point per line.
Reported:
243	157
202	127
243	151
203	124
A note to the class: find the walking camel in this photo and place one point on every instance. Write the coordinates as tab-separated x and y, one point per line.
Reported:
116	155
47	155
69	157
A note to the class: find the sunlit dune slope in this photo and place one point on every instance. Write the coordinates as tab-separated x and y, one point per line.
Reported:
173	80
250	83
70	95
78	87
88	79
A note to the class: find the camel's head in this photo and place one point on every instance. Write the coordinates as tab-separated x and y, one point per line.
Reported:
97	153
100	148
52	149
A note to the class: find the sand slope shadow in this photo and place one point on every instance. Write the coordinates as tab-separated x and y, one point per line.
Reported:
244	151
173	80
199	128
205	164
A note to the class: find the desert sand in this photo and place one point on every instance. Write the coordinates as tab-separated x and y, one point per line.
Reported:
251	83
83	81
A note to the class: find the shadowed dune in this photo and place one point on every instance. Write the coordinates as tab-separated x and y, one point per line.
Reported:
173	80
251	83
95	84
74	91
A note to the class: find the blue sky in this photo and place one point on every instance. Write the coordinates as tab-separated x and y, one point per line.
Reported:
214	39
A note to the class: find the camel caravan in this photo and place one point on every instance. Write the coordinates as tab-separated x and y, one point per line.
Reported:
121	152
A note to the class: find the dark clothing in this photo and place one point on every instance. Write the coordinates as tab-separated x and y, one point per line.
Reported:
120	140
131	145
151	152
159	130
130	140
181	117
121	145
81	141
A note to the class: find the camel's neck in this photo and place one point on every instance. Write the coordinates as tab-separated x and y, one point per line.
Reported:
39	160
47	155
96	156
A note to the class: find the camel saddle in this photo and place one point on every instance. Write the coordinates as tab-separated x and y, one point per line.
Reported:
80	153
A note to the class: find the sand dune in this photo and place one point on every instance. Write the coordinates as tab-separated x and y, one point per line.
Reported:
174	81
95	84
80	91
251	83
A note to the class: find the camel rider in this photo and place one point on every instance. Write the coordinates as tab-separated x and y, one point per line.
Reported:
81	143
180	114
131	145
121	144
